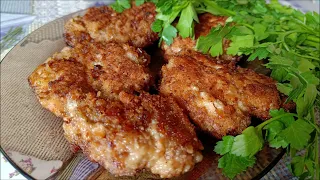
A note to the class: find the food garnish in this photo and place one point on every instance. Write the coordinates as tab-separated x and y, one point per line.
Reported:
120	5
290	40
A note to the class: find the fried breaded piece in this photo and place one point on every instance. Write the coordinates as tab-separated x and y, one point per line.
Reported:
220	99
111	68
149	131
186	46
52	81
103	24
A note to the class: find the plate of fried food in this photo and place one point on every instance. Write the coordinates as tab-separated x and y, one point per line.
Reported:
168	89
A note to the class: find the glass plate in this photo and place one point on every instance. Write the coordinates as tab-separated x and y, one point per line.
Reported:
28	128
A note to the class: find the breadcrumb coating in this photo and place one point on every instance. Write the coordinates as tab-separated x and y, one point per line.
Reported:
103	24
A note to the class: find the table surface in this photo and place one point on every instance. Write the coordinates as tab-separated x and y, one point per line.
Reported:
45	11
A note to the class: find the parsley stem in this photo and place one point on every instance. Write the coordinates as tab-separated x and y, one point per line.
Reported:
247	25
260	126
313	38
308	57
215	6
315	127
284	39
311	43
302	79
285	44
294	31
302	24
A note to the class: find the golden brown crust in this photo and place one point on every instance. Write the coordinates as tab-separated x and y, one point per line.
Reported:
186	46
171	120
76	32
125	139
137	132
52	88
113	67
219	98
103	24
108	68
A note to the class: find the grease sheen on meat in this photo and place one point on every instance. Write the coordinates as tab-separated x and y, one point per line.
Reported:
186	46
137	132
103	24
219	98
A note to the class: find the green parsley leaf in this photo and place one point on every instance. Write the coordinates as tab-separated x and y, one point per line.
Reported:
276	61
186	12
204	42
213	41
168	34
305	103
260	53
185	24
213	8
248	143
305	65
139	2
309	77
297	134
272	131
238	42
274	49
225	145
295	93
233	165
166	6
297	165
115	6
284	88
157	25
120	5
260	32
124	3
279	74
309	165
286	120
240	31
278	142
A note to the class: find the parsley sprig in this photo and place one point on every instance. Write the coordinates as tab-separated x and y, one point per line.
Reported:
185	12
290	40
284	130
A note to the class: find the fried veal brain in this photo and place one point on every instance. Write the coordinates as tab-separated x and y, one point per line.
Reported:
186	46
219	98
103	24
112	67
123	132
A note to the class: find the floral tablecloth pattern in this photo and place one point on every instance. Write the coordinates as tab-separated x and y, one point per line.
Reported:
37	168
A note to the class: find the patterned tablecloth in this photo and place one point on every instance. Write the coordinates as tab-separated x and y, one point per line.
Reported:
31	14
